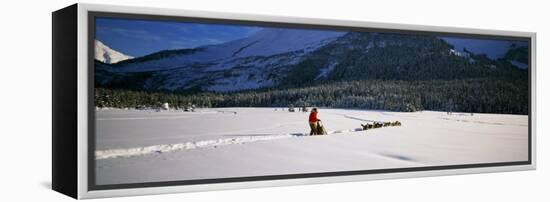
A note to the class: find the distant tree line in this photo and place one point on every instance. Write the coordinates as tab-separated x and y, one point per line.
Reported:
482	95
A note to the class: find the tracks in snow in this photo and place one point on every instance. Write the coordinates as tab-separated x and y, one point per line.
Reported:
164	148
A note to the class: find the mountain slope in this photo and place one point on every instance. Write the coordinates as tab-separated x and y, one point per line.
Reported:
367	56
517	56
248	63
494	49
107	55
264	43
286	58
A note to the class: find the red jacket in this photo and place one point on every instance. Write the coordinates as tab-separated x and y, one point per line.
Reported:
313	117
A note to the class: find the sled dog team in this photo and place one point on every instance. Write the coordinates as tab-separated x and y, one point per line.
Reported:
317	127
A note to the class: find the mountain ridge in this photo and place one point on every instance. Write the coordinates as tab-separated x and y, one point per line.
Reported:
105	54
249	63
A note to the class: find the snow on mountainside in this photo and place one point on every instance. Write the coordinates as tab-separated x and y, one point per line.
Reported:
107	55
518	64
277	57
515	52
494	49
249	63
266	42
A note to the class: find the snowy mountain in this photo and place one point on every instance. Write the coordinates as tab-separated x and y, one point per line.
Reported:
247	63
107	55
493	49
264	43
277	57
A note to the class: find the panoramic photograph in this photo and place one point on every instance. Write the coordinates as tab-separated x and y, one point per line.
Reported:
178	101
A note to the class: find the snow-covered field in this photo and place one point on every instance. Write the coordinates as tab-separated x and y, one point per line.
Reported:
134	146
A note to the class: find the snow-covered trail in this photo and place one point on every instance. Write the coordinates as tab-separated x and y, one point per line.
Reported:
163	148
138	146
241	139
117	129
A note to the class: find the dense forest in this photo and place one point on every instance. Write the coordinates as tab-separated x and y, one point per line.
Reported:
466	95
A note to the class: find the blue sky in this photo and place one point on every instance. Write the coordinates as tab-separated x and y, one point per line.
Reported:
140	37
